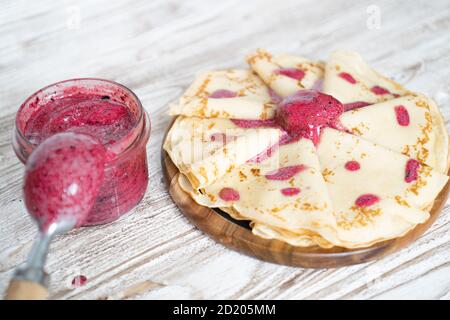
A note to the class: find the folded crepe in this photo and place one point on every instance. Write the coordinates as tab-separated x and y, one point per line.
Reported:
301	237
286	198
411	125
353	82
285	74
357	169
377	194
363	226
206	149
286	190
230	94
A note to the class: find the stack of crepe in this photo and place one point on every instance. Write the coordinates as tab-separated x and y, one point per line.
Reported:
231	155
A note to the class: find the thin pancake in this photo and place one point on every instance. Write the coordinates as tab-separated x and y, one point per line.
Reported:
350	79
301	237
285	74
206	149
419	132
351	191
379	173
231	94
268	193
310	216
398	211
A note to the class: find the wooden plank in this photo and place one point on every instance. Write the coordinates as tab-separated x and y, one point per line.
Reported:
156	47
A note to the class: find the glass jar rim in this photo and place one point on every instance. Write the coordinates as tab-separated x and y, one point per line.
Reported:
142	117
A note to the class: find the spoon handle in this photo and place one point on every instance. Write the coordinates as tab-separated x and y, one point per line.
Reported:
25	290
29	281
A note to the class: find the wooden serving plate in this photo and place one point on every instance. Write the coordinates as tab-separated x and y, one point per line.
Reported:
238	236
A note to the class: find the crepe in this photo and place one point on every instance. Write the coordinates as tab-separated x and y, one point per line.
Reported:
285	74
310	217
420	134
352	81
375	179
206	149
285	191
301	237
381	173
230	94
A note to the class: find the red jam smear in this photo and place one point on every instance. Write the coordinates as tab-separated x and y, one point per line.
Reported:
355	105
402	116
248	124
223	93
412	170
269	123
379	90
79	281
92	114
284	139
264	154
307	112
63	177
289	192
352	165
348	77
293	73
229	194
367	200
285	173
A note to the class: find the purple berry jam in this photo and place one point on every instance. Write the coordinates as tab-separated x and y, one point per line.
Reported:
106	111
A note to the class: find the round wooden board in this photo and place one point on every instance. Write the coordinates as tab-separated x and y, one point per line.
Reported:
235	235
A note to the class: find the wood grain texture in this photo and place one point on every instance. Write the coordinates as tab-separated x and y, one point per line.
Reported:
156	48
236	237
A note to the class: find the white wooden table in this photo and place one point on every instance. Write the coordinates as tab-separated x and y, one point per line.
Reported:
155	48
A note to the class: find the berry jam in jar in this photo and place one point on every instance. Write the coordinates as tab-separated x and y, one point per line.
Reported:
110	113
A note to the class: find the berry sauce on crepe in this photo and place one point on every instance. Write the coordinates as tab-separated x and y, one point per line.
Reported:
307	112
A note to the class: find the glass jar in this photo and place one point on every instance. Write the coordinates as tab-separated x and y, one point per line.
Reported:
125	173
